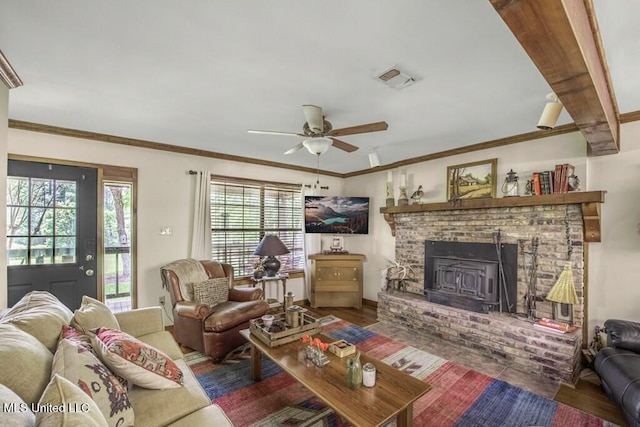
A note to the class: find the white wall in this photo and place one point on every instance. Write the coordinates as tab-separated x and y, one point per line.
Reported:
614	264
4	117
165	194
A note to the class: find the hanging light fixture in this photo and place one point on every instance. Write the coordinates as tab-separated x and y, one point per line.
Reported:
317	145
550	113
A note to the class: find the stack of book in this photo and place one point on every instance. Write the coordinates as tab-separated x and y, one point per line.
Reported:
552	182
554	326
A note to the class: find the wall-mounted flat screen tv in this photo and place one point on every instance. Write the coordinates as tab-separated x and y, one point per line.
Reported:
336	215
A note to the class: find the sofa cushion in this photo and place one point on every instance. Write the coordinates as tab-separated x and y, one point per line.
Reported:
80	366
26	363
212	291
93	314
164	342
212	415
15	411
80	410
137	362
230	314
184	400
41	315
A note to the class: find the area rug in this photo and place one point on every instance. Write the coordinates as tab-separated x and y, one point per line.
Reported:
459	396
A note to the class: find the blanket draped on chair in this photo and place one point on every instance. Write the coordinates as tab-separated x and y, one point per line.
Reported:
188	271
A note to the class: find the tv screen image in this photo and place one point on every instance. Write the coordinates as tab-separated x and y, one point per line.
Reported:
336	215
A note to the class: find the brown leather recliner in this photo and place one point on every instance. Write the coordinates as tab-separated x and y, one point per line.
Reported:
215	330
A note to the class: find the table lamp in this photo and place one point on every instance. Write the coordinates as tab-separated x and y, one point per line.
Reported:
269	247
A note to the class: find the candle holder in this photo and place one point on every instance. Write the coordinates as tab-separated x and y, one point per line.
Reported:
390	201
403	200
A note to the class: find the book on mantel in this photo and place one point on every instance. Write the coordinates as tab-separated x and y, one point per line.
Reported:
554	326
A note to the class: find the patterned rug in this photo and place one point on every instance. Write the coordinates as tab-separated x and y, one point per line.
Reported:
459	396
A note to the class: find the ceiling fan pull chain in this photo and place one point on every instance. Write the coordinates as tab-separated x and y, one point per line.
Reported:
318	170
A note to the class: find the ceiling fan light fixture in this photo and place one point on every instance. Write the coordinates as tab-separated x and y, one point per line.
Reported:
317	145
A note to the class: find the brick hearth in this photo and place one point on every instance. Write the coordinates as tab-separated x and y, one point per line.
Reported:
498	335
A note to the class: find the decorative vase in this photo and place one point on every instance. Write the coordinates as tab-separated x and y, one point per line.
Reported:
258	274
354	372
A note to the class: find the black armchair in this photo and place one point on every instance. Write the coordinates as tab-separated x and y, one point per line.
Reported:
618	366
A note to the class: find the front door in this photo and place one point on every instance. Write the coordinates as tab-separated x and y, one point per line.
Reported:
51	231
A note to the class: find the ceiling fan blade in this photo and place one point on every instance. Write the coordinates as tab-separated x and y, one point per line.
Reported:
370	127
270	132
313	114
345	146
294	148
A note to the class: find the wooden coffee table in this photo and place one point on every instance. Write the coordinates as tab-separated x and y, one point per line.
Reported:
392	395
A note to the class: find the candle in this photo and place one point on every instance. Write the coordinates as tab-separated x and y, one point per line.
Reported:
403	180
389	176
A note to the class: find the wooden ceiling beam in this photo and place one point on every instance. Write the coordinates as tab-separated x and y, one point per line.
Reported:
563	41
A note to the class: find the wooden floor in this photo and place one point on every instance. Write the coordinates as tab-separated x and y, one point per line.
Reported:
586	396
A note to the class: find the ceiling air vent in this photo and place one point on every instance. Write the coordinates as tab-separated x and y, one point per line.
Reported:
395	78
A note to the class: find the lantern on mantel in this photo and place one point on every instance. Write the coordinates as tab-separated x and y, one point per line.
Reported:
510	185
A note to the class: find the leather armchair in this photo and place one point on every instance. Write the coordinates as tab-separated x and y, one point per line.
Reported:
214	331
618	366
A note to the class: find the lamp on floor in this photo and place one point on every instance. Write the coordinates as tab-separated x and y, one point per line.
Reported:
270	246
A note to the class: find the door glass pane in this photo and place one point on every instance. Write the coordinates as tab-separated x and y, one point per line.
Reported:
41	222
17	250
42	192
66	194
17	221
41	249
65	250
17	191
65	222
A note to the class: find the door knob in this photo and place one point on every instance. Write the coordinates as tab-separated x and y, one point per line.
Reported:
89	272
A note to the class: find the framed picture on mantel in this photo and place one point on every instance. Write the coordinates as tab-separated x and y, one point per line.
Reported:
475	180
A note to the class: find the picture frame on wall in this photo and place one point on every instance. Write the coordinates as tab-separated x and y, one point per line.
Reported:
475	180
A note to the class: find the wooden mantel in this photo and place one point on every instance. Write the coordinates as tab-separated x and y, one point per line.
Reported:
590	201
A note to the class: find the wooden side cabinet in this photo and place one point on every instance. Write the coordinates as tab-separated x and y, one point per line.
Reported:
336	280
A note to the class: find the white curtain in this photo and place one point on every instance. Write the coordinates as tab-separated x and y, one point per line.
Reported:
201	237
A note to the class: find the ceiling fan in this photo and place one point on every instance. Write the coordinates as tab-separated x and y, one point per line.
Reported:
321	135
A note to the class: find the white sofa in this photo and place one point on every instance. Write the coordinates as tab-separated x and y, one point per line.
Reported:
29	334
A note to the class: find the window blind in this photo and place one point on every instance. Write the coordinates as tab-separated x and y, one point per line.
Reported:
243	211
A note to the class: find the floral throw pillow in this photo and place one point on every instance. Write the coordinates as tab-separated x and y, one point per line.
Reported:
76	337
80	366
135	361
212	291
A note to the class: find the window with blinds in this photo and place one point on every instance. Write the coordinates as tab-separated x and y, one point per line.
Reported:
243	211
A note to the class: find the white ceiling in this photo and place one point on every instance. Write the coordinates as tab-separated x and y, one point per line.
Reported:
201	73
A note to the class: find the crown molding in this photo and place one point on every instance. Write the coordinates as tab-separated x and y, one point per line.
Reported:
8	75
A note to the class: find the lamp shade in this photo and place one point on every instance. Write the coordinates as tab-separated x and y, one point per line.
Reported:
564	291
269	246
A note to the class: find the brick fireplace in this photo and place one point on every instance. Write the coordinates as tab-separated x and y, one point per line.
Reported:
495	332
